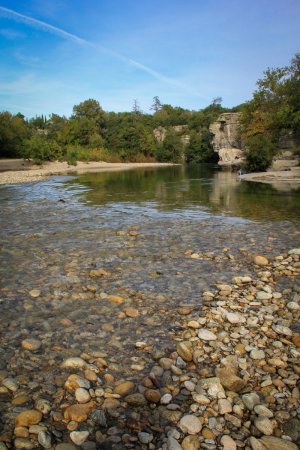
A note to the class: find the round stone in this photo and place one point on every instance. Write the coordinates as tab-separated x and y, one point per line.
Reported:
264	425
257	354
185	350
190	424
260	260
145	438
34	293
228	443
78	437
206	335
125	388
131	312
31	344
74	363
82	395
152	395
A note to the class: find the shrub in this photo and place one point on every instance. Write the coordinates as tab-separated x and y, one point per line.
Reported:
260	151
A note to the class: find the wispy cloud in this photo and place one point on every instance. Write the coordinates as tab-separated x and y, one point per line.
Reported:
80	41
11	34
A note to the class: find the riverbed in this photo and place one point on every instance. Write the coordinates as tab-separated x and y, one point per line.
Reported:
108	264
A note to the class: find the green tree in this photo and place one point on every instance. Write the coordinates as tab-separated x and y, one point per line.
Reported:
13	131
171	149
260	151
199	149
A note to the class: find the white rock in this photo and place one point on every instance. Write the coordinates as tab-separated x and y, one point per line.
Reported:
235	318
280	329
190	424
206	335
34	293
261	295
264	425
262	410
74	363
213	387
224	406
293	306
82	395
294	251
78	437
257	354
228	443
166	399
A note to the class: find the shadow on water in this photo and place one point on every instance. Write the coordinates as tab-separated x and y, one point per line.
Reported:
191	190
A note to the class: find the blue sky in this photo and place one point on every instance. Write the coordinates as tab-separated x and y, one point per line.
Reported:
185	52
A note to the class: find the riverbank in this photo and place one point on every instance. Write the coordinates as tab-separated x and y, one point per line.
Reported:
14	171
280	176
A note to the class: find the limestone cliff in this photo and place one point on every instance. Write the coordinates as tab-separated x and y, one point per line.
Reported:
226	139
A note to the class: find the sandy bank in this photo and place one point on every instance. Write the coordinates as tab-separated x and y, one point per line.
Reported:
14	171
282	176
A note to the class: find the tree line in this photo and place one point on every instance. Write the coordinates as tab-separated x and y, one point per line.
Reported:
91	133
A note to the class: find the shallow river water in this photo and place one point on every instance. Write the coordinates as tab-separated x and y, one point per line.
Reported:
141	227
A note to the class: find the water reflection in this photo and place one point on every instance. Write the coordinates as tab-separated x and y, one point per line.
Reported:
190	189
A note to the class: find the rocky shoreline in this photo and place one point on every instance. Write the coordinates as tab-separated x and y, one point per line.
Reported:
229	381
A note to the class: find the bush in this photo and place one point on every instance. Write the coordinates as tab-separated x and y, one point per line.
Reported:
260	151
39	148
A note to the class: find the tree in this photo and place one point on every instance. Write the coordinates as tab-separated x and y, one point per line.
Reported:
217	101
156	105
200	149
13	131
260	151
171	148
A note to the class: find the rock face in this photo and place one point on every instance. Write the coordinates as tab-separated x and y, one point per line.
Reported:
226	139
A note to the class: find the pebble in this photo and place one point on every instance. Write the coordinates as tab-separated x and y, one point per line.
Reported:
79	437
274	443
190	424
28	417
264	425
145	438
185	350
44	438
228	443
82	395
251	400
125	388
34	293
31	344
260	260
206	335
257	354
262	410
173	444
74	363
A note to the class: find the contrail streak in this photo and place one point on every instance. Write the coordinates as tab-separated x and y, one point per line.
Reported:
78	40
